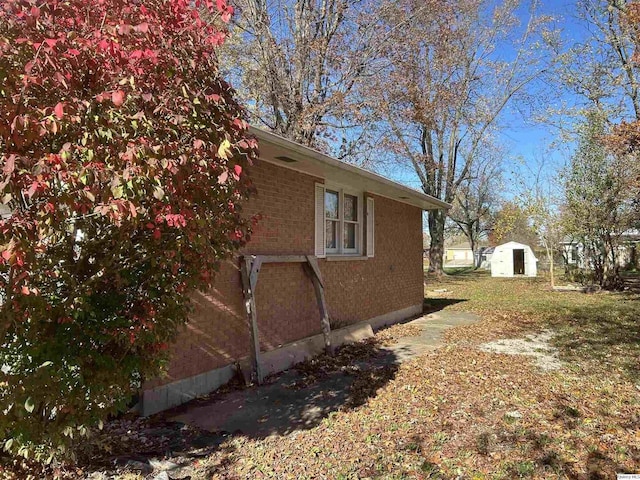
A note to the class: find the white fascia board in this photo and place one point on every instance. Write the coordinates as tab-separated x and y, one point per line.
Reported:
309	161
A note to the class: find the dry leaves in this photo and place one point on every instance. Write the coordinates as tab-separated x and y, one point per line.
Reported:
462	413
390	335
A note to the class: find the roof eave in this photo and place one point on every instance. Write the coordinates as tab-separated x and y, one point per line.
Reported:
404	193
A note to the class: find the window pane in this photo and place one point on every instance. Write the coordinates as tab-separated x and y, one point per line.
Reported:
331	204
350	235
350	208
331	235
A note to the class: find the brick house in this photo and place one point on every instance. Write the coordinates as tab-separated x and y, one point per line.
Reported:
365	232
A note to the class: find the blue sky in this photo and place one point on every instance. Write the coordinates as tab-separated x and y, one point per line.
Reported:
526	142
531	142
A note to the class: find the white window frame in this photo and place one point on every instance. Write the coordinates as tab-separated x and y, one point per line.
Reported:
332	251
341	250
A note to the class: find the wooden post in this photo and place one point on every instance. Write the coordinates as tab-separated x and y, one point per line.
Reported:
318	286
249	270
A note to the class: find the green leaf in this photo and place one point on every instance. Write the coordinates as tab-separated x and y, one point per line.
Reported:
46	364
29	405
117	191
7	444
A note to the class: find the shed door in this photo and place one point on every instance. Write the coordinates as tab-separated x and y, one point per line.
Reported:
518	262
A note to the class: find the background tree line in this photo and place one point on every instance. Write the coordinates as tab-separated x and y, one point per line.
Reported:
418	86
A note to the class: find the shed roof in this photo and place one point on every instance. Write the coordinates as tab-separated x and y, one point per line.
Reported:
513	245
286	153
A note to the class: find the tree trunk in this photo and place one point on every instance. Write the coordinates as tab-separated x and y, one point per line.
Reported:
551	267
611	272
476	259
436	231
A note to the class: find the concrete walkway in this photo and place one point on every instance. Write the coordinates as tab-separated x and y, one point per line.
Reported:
280	407
433	327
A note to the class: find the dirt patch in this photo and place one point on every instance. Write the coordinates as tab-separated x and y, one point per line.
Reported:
536	345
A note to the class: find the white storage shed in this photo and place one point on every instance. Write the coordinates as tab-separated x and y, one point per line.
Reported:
513	259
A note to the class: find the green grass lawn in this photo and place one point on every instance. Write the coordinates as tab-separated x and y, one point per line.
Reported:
462	413
594	331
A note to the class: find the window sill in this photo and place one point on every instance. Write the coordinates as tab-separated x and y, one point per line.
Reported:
345	258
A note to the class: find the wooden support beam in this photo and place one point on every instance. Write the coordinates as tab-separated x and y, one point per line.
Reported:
282	258
256	264
250	269
318	286
313	261
248	289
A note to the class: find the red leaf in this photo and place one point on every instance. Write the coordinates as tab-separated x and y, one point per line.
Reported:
9	165
222	178
51	42
59	111
143	27
197	144
32	189
240	124
157	234
6	254
117	97
237	169
217	39
35	12
25	290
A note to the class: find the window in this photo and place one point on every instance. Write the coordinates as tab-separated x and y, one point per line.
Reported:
339	222
350	229
332	220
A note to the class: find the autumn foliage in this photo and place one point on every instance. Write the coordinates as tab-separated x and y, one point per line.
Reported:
123	158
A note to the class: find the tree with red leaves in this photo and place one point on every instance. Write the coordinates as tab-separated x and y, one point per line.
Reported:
123	158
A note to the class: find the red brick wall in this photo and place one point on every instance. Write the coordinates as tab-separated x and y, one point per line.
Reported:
355	290
391	280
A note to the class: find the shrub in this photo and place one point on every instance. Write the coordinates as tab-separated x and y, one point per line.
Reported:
582	276
123	158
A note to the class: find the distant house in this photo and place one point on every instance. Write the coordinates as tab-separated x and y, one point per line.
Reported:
486	255
513	259
574	254
458	255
